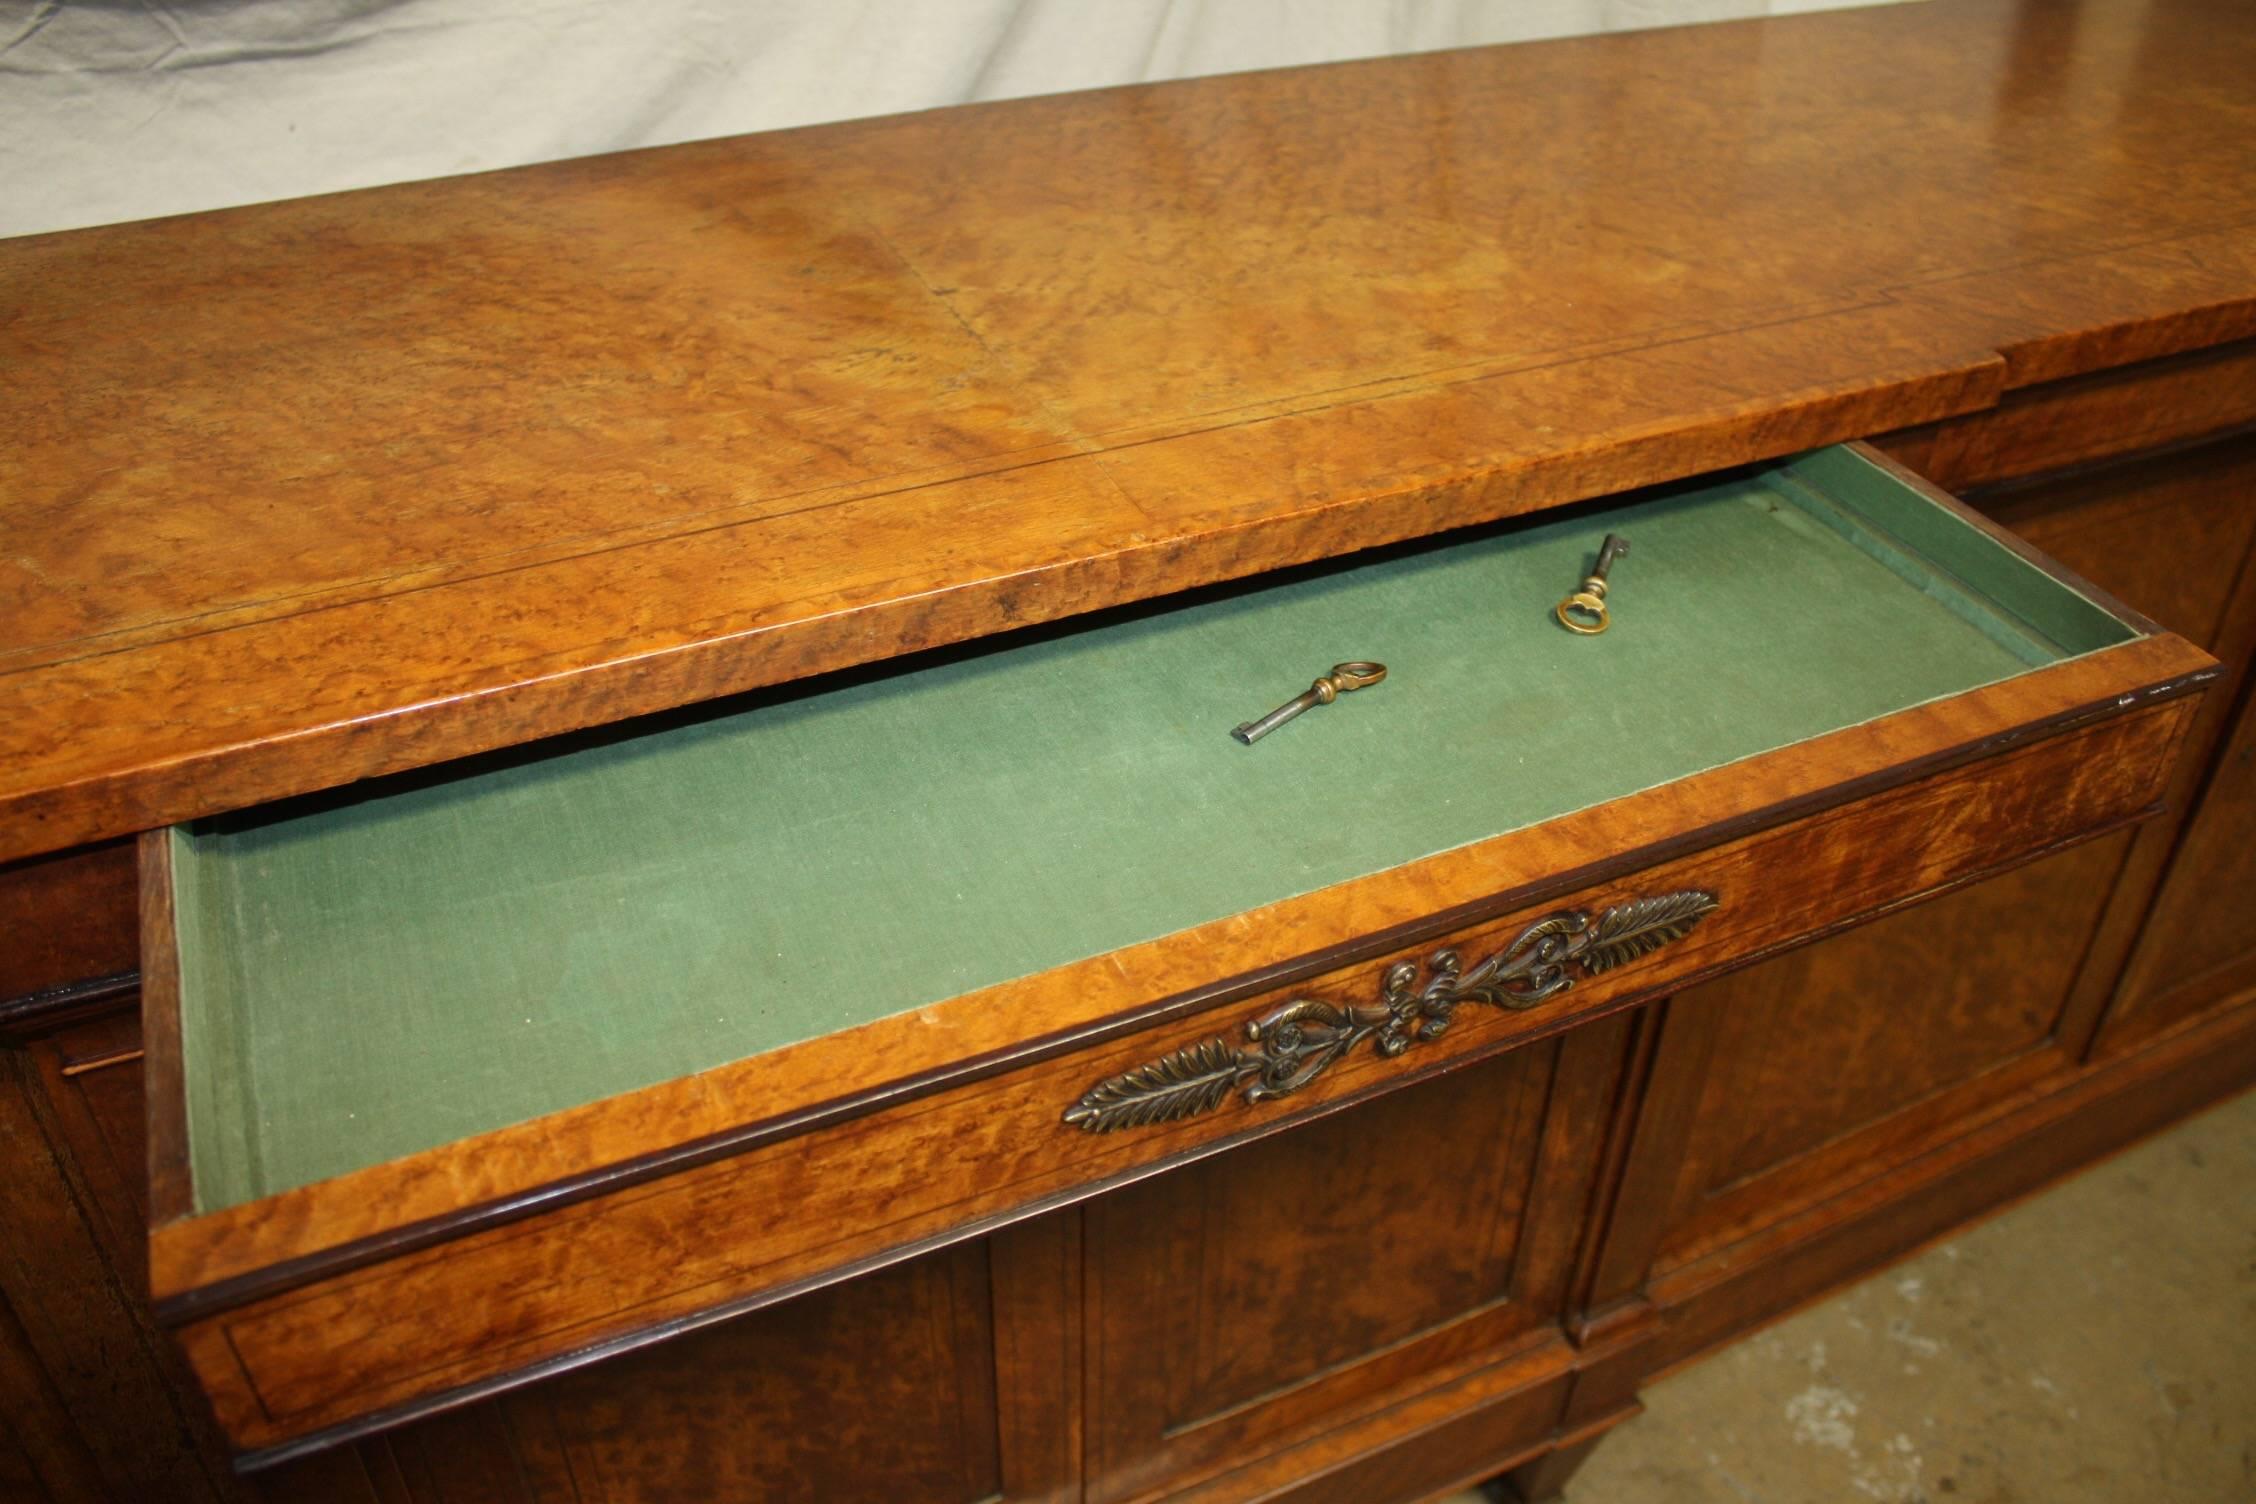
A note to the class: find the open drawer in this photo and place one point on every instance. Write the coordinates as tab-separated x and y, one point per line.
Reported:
461	1077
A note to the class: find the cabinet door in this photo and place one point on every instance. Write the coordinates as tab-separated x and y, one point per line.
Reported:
85	1382
89	1075
882	1388
2198	949
1826	1066
1298	1283
2177	530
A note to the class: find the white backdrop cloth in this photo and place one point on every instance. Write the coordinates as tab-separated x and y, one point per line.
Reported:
126	109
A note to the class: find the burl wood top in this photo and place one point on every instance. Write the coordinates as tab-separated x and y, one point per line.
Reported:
301	493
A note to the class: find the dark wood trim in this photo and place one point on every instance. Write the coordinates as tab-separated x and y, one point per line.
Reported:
171	1185
50	1008
1590	1291
119	1399
1035	1266
1645	1193
2100	995
2003	491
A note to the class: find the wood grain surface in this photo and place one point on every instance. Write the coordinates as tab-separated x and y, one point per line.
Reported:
1199	1364
878	1390
2172	531
305	492
2089	419
1949	1043
69	920
2023	1143
2198	951
88	1381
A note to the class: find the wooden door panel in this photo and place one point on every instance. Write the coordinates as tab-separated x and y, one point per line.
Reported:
887	1378
2198	949
90	1073
42	1457
77	1319
70	918
1826	1065
1842	1036
1239	1303
1316	1215
883	1387
2173	536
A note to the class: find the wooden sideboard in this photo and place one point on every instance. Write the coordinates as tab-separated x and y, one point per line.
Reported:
452	491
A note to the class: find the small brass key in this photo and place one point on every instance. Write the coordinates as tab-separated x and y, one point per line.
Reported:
1342	678
1585	610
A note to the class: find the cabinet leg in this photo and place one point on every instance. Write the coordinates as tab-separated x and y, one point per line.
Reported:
1540	1481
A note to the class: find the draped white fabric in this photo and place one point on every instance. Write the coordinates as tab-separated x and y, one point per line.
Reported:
124	109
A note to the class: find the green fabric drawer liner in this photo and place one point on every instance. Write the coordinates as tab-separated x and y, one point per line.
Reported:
367	976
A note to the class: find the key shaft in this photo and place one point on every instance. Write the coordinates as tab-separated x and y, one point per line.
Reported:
1342	678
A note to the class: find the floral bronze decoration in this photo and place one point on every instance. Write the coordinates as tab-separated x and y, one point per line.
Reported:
1293	1044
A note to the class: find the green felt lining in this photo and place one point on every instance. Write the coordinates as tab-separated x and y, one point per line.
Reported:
447	954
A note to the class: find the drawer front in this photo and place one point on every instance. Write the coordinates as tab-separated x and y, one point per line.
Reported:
467	1310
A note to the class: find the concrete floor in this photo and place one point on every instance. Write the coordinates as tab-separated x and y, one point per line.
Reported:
2096	1345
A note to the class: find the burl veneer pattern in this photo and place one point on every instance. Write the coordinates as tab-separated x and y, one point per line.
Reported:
454	465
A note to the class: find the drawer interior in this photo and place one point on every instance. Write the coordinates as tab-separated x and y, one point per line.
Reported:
375	972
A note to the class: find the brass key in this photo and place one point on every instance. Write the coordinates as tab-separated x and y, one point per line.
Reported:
1342	678
1585	610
